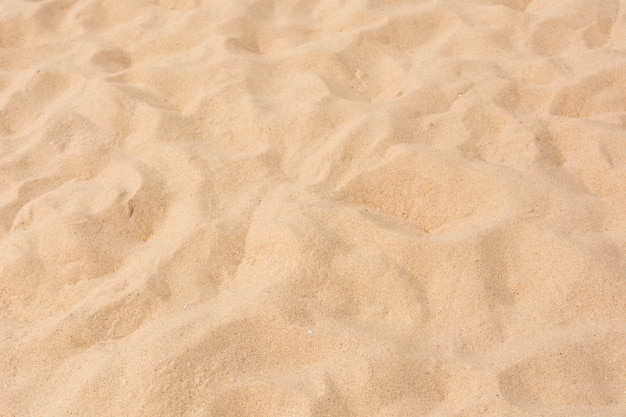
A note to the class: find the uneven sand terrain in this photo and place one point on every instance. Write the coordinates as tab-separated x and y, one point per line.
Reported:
313	208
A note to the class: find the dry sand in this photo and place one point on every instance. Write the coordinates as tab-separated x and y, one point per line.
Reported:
313	208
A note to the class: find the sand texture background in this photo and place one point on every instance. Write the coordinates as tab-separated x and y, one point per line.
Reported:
313	208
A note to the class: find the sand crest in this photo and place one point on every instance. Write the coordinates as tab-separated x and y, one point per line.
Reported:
313	208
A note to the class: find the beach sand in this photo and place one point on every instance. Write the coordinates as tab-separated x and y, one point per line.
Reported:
313	208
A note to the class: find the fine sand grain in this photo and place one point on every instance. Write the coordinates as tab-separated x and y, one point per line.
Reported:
313	208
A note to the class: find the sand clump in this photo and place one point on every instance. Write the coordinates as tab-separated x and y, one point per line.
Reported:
315	208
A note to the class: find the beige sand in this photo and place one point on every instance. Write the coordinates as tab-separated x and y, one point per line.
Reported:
313	208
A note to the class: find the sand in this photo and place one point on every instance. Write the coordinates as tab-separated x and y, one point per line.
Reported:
313	208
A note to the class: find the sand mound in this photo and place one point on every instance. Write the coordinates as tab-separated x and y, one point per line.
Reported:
314	208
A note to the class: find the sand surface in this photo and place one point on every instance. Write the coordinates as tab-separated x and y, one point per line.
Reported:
313	208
